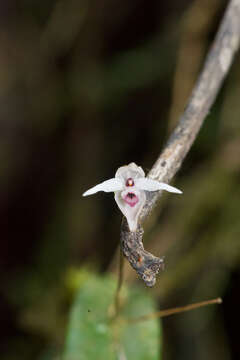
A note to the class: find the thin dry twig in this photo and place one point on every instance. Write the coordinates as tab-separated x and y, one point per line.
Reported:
177	310
215	69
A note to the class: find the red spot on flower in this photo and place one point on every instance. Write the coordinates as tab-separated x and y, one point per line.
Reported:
130	182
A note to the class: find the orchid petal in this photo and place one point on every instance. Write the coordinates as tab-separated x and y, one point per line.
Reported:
153	185
107	186
131	213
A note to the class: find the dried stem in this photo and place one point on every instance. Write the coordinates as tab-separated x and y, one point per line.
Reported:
177	310
215	69
119	285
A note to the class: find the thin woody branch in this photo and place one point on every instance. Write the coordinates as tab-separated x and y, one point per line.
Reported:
215	69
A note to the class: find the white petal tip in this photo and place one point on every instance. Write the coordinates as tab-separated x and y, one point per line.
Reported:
175	191
178	192
86	193
132	229
132	224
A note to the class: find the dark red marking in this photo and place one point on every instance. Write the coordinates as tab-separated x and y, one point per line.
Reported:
130	182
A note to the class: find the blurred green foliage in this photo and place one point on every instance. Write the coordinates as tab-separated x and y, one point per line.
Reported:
92	334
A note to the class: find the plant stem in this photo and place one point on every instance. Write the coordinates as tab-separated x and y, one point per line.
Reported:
172	311
215	69
119	284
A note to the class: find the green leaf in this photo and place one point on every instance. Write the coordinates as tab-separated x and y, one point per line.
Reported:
91	335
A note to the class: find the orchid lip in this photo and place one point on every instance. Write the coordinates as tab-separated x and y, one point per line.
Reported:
131	199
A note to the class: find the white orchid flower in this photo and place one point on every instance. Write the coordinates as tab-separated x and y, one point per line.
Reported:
129	186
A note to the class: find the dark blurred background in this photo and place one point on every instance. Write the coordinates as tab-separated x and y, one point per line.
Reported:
86	87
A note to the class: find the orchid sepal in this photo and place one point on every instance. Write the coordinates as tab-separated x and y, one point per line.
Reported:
110	185
153	185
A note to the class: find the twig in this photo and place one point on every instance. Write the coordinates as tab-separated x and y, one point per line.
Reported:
177	310
145	264
215	69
